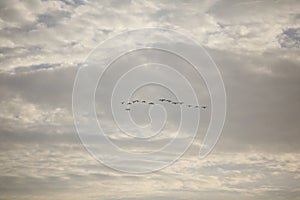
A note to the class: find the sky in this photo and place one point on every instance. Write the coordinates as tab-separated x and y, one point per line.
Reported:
255	45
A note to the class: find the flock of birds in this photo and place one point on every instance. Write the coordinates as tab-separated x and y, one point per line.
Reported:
161	100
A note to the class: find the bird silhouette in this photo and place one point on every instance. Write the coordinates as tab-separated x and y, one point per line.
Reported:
162	100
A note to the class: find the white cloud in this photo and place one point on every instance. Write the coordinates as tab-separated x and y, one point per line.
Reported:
20	114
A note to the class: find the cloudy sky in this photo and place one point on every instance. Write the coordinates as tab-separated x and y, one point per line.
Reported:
255	44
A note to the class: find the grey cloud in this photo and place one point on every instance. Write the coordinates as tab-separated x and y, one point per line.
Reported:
35	67
53	19
262	108
47	87
290	38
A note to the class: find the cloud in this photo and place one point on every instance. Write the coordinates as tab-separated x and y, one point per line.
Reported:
248	175
290	38
256	47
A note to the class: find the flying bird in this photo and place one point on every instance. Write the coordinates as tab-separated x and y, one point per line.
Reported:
151	103
204	107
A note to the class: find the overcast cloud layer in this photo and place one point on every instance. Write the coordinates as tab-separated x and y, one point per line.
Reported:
256	47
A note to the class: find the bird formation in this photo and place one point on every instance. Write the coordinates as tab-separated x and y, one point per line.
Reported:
161	100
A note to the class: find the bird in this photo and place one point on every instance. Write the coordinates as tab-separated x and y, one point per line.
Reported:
204	107
196	106
168	100
135	101
174	102
127	109
161	99
122	102
189	106
143	101
129	103
151	103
